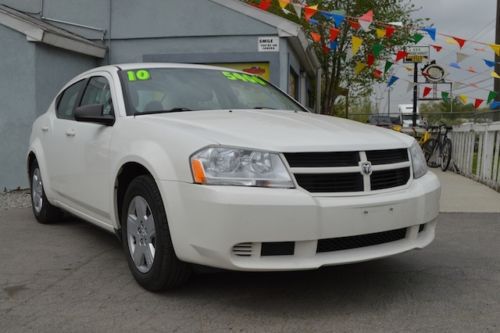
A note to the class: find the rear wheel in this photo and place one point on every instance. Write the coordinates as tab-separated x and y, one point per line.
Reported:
146	238
42	209
446	154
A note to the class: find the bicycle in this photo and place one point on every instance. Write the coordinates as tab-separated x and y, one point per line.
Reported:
439	144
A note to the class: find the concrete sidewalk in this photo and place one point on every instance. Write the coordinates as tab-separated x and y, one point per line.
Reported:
463	195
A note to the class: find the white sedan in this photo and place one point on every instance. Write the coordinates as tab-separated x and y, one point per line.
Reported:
193	164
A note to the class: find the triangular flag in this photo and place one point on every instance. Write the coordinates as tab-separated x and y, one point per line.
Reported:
354	24
478	102
491	96
495	105
489	63
462	99
431	31
451	41
391	81
365	25
401	55
496	48
461	57
370	59
388	65
455	65
445	96
377	73
380	32
377	48
417	37
298	9
333	45
356	44
471	69
309	11
338	19
389	31
325	49
265	4
359	68
410	86
438	48
367	17
284	3
427	91
334	33
315	36
460	41
495	75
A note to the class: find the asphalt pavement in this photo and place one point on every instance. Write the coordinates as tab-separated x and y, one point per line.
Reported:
73	277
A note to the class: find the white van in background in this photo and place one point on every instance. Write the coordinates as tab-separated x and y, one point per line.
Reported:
406	115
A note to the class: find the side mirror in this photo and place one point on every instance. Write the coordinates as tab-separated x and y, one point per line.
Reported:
93	114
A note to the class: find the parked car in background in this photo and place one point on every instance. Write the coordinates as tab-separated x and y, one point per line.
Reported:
192	164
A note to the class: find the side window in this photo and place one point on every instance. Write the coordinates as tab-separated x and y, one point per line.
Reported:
98	92
68	100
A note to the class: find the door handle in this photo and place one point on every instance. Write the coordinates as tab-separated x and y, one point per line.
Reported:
70	132
45	128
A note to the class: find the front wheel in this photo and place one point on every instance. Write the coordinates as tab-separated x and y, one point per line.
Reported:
446	154
146	238
42	209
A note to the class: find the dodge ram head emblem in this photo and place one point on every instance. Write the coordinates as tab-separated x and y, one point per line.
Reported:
366	168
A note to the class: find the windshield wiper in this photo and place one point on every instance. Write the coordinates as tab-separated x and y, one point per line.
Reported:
179	109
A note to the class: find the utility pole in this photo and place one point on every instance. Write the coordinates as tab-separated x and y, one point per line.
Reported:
415	92
497	58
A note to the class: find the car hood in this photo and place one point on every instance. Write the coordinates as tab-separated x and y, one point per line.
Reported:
285	131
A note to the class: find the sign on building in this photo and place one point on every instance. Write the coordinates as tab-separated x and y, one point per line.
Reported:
417	54
268	44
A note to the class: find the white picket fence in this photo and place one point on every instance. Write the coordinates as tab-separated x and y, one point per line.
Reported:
476	152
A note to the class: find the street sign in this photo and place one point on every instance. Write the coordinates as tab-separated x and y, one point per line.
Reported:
417	54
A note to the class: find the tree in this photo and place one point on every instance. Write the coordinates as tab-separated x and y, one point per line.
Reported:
338	64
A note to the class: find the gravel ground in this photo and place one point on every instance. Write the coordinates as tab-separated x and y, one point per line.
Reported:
15	199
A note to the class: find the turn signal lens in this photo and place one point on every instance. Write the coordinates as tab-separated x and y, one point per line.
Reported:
198	172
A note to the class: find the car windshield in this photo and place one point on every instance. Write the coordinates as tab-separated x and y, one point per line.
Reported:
152	90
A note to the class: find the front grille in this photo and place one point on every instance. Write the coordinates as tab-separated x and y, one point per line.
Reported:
390	156
331	182
354	242
322	159
389	178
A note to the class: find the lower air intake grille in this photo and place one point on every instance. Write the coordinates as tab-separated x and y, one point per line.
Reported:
243	249
354	242
331	182
278	249
389	178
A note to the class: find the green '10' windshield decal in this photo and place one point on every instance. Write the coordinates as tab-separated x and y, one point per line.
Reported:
244	77
141	75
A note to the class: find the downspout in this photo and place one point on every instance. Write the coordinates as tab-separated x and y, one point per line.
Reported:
109	30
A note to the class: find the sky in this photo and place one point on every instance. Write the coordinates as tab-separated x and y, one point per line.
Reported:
467	19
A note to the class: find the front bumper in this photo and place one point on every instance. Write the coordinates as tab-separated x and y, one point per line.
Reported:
206	222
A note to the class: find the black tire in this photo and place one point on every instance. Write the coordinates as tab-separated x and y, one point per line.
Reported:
446	154
166	270
429	149
43	211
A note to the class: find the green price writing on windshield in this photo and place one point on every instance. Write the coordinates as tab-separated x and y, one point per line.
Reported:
244	77
141	75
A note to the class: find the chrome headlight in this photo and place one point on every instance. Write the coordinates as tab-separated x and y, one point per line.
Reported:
239	167
418	160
